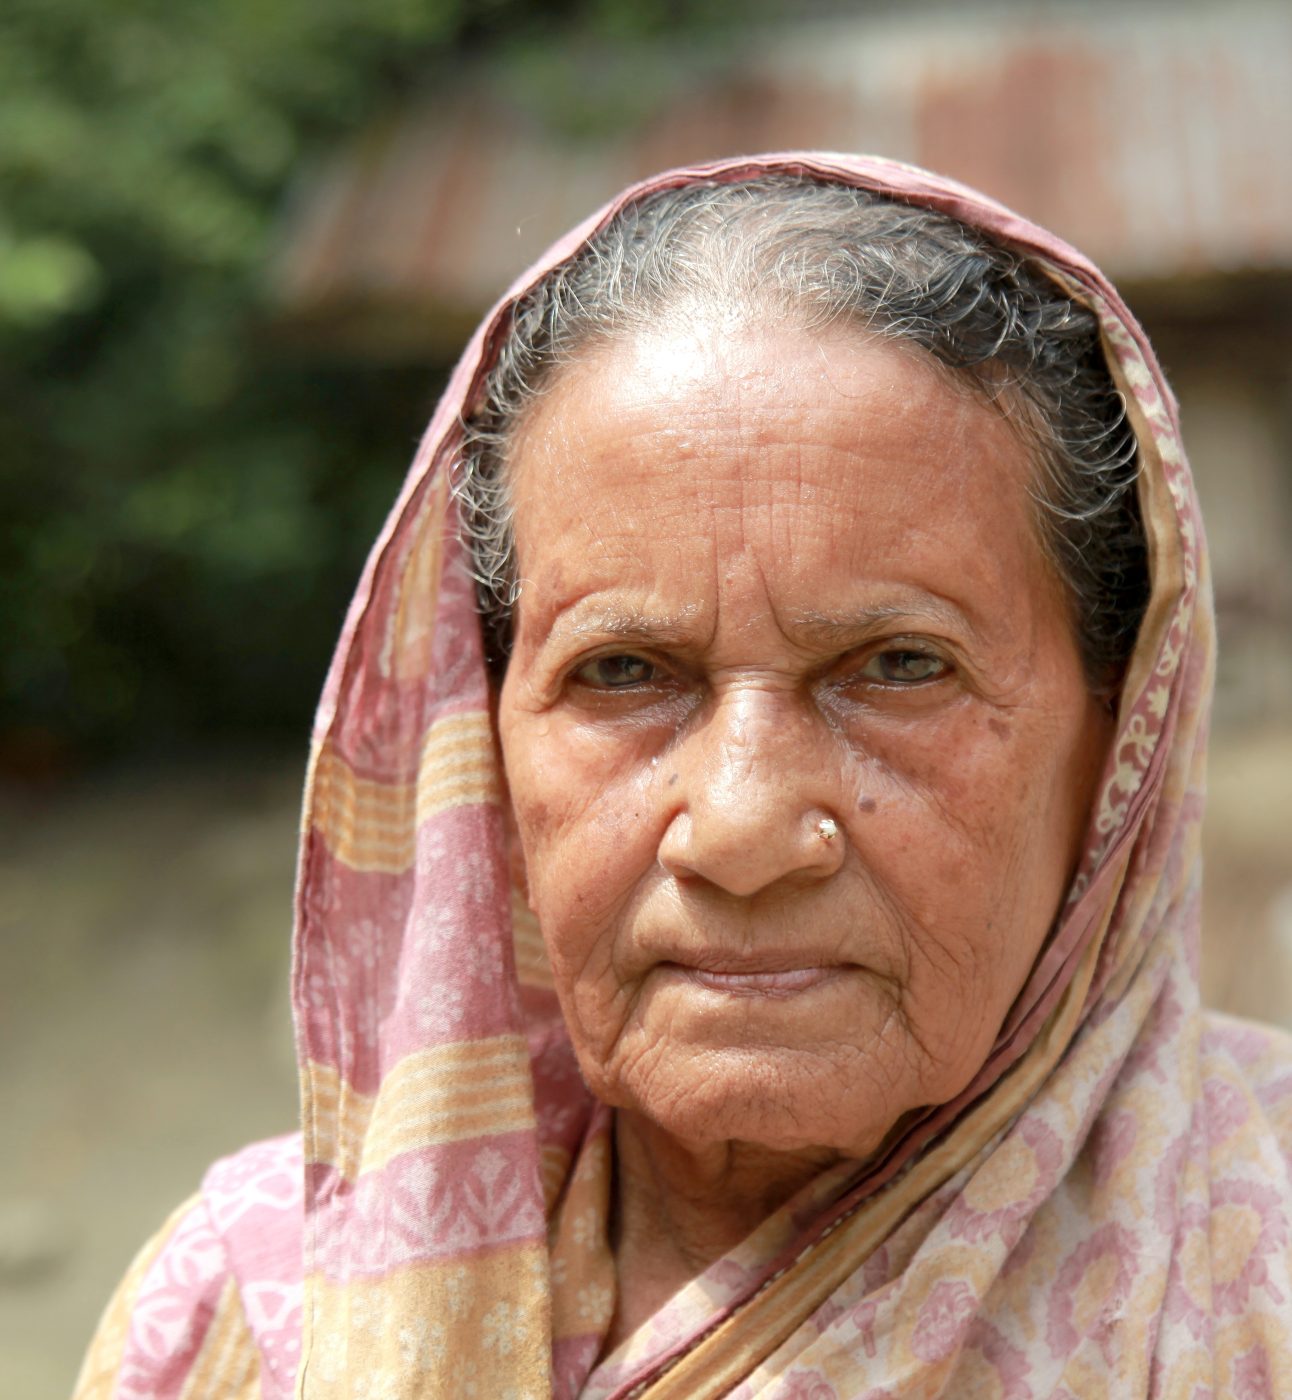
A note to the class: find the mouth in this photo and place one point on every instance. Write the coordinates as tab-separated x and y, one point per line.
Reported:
765	978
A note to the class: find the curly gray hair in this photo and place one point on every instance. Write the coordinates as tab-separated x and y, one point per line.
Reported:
817	255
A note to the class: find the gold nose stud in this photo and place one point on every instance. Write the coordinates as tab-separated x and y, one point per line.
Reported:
827	828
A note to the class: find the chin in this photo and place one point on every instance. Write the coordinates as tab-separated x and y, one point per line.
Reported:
779	1100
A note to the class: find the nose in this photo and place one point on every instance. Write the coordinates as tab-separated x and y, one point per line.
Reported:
755	797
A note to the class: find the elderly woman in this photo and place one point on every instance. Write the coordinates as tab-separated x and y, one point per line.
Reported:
747	916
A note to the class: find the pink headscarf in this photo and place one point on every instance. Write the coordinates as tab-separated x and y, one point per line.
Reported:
1105	1210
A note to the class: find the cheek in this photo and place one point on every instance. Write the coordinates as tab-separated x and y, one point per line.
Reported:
945	800
974	841
585	824
1000	789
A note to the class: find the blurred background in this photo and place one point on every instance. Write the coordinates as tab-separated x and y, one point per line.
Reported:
241	242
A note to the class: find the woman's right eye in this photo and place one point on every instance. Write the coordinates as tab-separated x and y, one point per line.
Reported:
615	672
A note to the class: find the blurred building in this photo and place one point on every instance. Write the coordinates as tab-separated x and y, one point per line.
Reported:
1157	140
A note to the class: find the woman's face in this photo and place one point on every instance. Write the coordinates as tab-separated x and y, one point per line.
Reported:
771	579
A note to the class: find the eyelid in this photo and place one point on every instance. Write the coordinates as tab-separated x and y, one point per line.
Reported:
588	662
901	641
941	666
855	664
663	670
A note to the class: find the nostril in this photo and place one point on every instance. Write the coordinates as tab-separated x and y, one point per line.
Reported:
746	850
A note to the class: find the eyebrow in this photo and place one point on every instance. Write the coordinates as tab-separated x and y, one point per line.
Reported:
829	628
811	625
628	624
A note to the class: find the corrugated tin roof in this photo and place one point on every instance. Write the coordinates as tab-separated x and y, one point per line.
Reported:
1160	142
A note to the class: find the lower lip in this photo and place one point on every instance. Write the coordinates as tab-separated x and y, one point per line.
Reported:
783	983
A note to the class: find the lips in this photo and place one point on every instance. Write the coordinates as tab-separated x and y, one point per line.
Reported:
766	976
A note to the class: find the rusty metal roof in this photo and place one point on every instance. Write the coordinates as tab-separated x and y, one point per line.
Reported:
1158	141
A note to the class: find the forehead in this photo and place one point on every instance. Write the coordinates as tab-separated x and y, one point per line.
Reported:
669	461
741	379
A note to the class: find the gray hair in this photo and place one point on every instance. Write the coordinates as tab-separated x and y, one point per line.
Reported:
818	255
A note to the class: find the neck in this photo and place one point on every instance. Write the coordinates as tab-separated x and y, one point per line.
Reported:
680	1206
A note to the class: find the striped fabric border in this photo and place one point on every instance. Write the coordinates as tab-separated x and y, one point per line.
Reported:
228	1365
371	825
442	1328
474	1089
554	1164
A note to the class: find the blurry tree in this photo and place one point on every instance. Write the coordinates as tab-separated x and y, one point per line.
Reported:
184	499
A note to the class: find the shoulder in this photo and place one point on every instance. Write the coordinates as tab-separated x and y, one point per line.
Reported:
211	1304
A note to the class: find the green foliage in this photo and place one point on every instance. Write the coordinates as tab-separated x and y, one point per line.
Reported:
184	499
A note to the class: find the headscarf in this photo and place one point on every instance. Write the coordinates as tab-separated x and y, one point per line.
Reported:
1105	1210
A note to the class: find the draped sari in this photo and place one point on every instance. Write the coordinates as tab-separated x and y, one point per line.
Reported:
1105	1210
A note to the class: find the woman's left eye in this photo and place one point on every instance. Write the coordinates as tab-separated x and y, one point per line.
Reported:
899	666
616	672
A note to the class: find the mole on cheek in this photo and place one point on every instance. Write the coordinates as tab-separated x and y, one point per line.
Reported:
672	780
999	728
865	804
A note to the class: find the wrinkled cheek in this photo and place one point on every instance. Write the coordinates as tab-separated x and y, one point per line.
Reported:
933	872
577	884
578	900
596	1005
973	919
582	824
